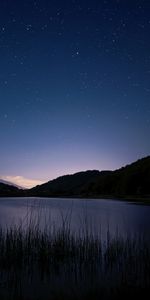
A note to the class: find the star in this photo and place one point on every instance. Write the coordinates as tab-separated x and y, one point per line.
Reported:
58	58
28	27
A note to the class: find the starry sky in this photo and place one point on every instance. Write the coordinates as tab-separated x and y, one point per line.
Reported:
74	86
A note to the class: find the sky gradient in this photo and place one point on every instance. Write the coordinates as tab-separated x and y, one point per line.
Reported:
74	86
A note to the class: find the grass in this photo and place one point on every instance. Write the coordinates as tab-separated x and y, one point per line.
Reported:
58	264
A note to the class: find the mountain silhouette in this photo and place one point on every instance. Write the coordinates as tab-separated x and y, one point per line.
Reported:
130	181
7	190
68	185
10	183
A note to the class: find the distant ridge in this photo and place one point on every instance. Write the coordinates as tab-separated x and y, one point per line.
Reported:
10	183
7	190
131	181
66	185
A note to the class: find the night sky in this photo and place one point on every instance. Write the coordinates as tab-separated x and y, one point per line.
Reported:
74	86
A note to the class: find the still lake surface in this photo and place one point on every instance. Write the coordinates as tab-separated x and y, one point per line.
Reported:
96	214
87	271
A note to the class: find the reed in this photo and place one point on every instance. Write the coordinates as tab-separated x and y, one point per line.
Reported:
66	265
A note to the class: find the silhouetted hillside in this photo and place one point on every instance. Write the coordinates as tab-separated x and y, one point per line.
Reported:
9	191
10	183
130	181
68	185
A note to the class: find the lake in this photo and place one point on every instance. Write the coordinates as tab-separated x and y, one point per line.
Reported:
79	214
35	264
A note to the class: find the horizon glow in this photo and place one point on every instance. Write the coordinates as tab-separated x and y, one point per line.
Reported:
74	87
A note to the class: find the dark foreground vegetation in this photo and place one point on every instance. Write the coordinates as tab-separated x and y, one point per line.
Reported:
132	182
57	264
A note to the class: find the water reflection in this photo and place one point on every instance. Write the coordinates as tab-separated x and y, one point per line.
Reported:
40	265
99	215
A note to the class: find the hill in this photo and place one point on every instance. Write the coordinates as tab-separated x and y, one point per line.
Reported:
10	183
130	181
68	185
7	190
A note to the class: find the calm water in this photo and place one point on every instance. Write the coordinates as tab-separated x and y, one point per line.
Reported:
124	217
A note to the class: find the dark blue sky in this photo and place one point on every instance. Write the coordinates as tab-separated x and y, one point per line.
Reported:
74	86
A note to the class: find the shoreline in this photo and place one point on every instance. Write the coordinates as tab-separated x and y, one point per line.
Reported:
143	200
